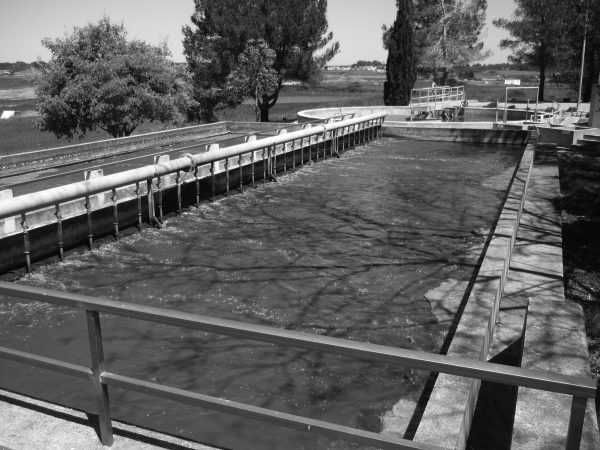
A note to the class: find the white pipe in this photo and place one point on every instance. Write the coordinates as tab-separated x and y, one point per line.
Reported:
49	197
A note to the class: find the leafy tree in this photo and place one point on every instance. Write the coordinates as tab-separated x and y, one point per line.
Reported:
294	29
401	68
97	78
447	34
537	29
254	76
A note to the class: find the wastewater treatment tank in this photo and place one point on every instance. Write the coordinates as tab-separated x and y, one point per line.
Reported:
356	247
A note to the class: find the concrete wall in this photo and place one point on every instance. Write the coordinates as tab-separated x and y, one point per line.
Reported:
564	136
109	146
43	228
449	412
326	113
477	114
467	114
474	132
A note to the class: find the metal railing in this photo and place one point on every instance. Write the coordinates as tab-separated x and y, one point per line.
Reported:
148	181
438	97
101	376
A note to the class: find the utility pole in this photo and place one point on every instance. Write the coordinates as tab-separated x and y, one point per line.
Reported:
587	9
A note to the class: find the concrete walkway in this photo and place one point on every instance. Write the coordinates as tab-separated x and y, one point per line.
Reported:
554	336
534	325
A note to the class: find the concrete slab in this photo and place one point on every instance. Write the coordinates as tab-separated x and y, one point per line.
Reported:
553	332
447	417
554	341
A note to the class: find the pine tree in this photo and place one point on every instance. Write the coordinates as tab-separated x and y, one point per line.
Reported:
221	29
400	71
538	28
447	34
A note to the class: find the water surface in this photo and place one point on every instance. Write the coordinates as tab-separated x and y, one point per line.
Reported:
346	248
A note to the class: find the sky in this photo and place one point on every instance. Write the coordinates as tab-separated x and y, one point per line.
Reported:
356	25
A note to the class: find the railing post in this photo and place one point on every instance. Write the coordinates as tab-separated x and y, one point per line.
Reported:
264	155
293	156
160	198
88	209
197	183
115	213
26	244
226	177
150	194
212	177
576	423
252	167
138	196
178	182
59	232
241	174
100	389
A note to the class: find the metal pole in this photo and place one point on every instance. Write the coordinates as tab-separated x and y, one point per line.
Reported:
150	194
241	174
505	103
100	389
197	182
212	176
226	176
116	213
252	167
178	182
139	204
26	244
264	165
59	231
88	208
587	8
576	422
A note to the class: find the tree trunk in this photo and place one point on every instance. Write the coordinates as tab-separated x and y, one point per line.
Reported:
268	101
444	78
263	114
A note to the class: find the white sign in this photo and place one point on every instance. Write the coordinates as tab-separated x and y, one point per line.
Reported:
514	82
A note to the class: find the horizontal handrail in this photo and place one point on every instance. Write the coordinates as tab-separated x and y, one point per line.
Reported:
74	370
435	95
49	197
292	421
499	373
580	388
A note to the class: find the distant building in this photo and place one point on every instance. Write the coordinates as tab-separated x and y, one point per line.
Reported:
9	114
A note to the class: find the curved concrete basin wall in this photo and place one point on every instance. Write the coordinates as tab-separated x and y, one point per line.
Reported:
467	114
328	113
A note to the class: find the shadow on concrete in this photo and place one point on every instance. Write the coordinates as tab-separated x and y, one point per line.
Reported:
92	421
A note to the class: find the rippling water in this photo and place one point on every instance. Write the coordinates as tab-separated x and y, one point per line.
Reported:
347	248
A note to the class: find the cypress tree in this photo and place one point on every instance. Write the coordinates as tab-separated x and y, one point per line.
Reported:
400	72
